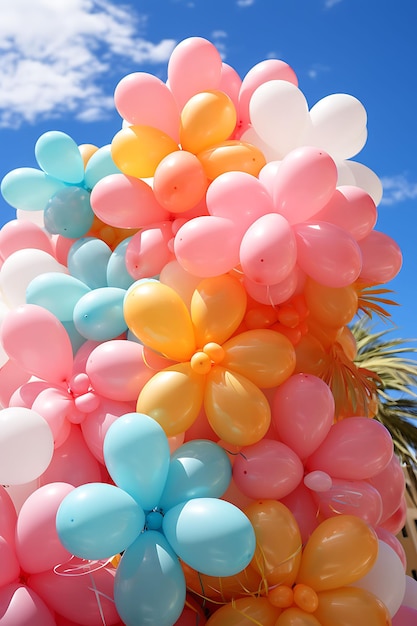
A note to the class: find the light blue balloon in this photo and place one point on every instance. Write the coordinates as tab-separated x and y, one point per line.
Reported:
117	274
136	453
56	292
98	315
212	536
98	520
87	260
99	165
149	587
29	189
59	156
68	213
198	469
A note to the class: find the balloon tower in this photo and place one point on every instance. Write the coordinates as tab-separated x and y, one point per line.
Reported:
185	438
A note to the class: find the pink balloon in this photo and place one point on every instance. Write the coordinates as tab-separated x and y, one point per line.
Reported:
126	202
397	520
38	546
267	469
207	246
195	65
21	605
80	591
405	616
391	485
147	251
230	83
395	544
12	376
240	197
357	498
355	448
304	184
305	510
327	253
381	258
8	516
117	369
144	99
55	404
19	234
38	342
269	69
273	294
72	462
303	413
10	566
268	251
352	209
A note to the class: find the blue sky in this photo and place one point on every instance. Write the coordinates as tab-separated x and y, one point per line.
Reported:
61	61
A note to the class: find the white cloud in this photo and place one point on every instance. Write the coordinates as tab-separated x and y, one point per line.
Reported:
398	189
245	3
57	55
218	37
316	69
329	4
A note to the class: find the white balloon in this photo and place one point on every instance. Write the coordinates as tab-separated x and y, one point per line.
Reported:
251	136
366	179
20	493
26	445
410	596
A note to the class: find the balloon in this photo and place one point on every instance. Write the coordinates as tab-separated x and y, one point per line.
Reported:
68	213
231	155
19	604
331	306
25	332
59	156
396	545
26	445
37	544
179	181
195	65
410	598
230	83
126	202
365	178
278	551
148	568
405	616
351	208
10	566
208	118
97	520
191	612
8	516
18	234
303	412
116	271
390	483
351	498
136	452
148	250
137	150
99	165
340	550
245	612
142	98
29	189
355	448
211	535
302	505
381	258
98	314
56	292
267	469
87	260
351	605
276	294
198	469
55	404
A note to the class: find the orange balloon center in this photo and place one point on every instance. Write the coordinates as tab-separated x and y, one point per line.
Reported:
202	360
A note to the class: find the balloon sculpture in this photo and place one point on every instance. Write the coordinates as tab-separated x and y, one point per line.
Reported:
184	435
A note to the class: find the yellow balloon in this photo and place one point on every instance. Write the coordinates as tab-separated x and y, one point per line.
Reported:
265	357
138	150
245	612
222	589
236	409
218	305
331	306
231	155
351	606
172	397
159	318
278	539
297	617
87	150
207	118
340	550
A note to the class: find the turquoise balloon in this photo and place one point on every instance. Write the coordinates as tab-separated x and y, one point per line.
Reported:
29	189
68	213
98	315
136	453
210	535
198	469
149	587
58	155
87	260
99	165
57	292
98	520
117	274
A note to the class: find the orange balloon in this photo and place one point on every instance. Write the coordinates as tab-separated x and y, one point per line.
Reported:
218	305
340	550
179	181
351	606
236	409
222	589
278	552
331	306
297	617
232	155
245	612
138	150
159	318
87	150
173	398
265	357
207	118
310	356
